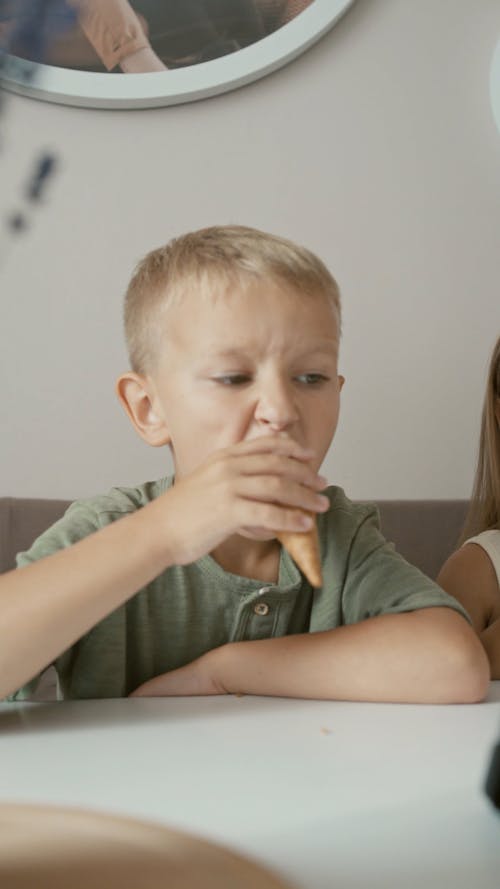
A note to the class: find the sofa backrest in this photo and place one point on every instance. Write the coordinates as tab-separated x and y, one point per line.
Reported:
425	532
22	520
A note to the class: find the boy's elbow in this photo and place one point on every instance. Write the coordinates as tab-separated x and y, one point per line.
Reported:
466	669
456	668
473	675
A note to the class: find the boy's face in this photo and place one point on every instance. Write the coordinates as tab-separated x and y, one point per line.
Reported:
231	371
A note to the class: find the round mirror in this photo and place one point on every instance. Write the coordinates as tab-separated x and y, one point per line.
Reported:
170	51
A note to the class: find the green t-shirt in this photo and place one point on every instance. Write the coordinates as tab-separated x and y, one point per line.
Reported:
188	610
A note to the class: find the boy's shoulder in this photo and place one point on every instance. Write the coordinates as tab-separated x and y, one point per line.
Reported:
89	514
344	509
119	501
345	522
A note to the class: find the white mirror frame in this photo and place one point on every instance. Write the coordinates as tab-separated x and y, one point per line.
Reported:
95	90
495	85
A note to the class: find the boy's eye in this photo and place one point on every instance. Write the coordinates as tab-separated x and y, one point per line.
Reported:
312	379
233	379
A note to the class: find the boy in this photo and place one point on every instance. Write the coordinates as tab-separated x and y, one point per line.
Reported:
233	337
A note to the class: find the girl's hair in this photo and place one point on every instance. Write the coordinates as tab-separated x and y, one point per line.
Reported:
484	508
214	261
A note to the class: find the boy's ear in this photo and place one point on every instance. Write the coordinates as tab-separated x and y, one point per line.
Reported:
138	397
341	381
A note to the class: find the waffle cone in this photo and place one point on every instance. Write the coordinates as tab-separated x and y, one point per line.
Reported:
303	547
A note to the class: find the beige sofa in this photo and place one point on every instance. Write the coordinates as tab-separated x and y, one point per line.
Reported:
424	531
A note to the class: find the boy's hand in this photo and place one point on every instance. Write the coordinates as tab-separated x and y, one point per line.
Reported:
262	485
197	678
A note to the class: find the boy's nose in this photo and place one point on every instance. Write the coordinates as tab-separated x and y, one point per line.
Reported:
275	408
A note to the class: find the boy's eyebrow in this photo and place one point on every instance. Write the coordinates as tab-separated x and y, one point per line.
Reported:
326	347
225	353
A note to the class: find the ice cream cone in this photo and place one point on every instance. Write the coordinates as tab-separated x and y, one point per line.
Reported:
303	547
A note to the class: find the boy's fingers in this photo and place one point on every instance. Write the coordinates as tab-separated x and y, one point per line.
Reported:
281	466
278	444
283	492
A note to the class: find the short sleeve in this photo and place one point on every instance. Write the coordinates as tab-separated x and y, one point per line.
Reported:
79	521
380	581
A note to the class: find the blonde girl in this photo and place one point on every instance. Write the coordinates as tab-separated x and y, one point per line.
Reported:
472	573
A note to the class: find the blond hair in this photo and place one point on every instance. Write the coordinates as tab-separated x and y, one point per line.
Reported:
209	261
484	508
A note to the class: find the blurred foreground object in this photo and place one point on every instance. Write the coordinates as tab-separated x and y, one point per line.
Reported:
44	847
492	784
18	220
26	27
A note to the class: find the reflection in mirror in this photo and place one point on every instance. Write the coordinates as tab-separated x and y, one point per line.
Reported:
140	35
66	50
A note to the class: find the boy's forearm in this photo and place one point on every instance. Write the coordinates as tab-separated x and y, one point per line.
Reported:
428	656
490	637
45	607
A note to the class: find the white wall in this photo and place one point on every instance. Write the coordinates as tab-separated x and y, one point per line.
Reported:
376	148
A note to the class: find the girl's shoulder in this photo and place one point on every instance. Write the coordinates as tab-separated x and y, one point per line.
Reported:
471	574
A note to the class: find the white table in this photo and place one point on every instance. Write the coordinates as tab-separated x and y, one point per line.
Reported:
327	794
